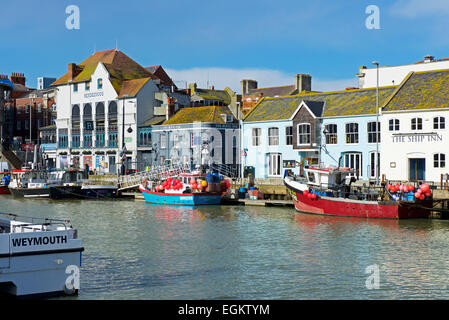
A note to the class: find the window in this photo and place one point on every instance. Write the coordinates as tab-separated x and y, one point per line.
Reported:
19	109
100	83
27	109
26	124
177	140
374	165
393	125
274	164
19	125
331	133
304	137
256	135
39	107
354	161
439	123
352	133
439	160
417	124
373	132
87	85
75	87
273	136
163	141
289	136
195	140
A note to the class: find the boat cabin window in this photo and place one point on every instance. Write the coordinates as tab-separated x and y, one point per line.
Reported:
311	177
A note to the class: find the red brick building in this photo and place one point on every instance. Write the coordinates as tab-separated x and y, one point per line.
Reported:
33	111
26	108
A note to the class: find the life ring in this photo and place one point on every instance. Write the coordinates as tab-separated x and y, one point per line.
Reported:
144	183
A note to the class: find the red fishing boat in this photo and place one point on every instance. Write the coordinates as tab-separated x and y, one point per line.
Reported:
326	191
4	182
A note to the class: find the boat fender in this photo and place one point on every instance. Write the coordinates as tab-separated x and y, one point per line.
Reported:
144	183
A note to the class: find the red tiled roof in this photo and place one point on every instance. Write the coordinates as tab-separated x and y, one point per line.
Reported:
159	72
120	67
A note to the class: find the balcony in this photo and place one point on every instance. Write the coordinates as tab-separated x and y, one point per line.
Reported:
75	141
87	141
99	140
144	136
112	141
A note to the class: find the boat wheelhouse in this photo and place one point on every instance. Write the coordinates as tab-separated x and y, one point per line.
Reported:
326	191
38	256
29	184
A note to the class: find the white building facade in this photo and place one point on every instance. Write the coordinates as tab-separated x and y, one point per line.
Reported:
393	75
415	131
100	112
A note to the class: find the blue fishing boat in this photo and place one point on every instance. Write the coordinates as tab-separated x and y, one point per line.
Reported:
186	190
181	199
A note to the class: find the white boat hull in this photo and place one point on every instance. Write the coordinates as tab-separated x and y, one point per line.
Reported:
40	263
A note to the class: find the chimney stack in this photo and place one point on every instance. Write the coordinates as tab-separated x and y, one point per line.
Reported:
170	111
192	87
74	70
303	82
17	78
429	58
247	85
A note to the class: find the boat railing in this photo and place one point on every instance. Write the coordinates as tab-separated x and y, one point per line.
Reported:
36	223
356	192
416	183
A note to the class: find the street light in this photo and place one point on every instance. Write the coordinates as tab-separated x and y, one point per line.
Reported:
376	160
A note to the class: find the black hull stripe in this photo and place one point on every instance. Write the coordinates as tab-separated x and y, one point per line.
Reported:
32	253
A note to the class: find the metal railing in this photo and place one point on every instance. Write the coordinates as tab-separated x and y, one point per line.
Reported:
154	173
36	221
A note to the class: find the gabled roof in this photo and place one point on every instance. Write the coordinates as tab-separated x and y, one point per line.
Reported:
338	103
420	91
120	67
160	73
274	91
132	87
316	107
212	94
208	114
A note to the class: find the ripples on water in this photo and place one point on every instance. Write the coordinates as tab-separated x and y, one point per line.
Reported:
135	250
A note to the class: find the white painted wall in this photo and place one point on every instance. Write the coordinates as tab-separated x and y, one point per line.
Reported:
137	109
396	73
397	151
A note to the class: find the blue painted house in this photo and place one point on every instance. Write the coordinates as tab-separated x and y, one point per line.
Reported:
331	129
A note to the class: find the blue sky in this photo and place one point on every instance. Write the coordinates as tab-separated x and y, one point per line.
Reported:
225	41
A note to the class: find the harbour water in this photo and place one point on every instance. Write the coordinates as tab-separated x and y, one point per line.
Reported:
135	250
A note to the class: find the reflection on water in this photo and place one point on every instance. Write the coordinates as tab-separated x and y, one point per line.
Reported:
136	250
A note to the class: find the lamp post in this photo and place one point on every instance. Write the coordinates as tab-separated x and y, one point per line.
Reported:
376	159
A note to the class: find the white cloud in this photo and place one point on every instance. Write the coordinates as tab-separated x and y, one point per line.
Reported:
416	8
226	77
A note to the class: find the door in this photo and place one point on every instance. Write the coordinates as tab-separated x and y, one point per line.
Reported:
418	169
112	167
374	168
274	164
354	161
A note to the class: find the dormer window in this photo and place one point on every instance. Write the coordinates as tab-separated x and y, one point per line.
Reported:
100	84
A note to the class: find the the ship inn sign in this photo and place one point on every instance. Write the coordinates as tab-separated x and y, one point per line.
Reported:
417	137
